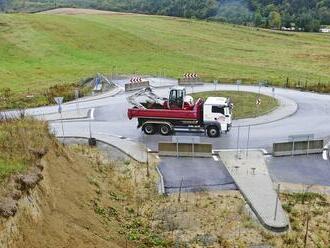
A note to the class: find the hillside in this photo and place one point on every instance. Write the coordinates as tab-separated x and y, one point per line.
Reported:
39	50
297	14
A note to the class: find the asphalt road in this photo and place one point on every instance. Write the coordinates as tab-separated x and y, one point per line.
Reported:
196	174
309	170
312	117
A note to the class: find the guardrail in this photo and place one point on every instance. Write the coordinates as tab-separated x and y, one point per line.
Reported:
184	149
302	147
189	81
136	86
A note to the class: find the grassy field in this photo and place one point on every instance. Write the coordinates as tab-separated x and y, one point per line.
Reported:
244	102
40	50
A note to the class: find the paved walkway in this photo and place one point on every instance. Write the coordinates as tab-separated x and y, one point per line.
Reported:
252	178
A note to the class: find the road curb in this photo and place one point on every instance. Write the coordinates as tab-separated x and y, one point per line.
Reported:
101	141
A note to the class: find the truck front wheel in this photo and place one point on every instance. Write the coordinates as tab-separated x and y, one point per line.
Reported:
213	131
149	129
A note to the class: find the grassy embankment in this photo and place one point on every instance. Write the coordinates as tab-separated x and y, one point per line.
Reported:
39	50
244	102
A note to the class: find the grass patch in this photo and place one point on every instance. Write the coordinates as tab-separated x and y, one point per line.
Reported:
19	141
244	102
40	50
10	167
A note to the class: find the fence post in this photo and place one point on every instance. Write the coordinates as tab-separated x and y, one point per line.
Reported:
237	153
193	148
292	153
307	146
177	147
247	143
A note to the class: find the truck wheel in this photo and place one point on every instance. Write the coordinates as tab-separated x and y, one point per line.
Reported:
213	131
149	129
165	129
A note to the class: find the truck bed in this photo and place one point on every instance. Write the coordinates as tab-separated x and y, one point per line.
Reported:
177	114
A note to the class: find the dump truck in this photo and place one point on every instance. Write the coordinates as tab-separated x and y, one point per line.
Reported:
179	112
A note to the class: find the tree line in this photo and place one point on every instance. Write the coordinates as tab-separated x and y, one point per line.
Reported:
304	15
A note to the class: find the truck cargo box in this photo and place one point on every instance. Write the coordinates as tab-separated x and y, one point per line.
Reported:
194	114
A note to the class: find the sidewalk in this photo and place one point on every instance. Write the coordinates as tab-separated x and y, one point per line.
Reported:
253	180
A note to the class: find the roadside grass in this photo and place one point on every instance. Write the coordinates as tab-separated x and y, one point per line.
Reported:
20	141
40	50
244	102
40	97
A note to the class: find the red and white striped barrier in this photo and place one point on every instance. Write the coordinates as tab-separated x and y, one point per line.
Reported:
136	83
135	80
190	75
189	79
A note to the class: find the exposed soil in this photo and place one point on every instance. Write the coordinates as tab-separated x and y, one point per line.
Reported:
59	211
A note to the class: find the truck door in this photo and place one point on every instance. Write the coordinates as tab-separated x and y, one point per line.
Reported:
218	113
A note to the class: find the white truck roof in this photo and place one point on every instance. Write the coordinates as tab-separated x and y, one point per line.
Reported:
216	101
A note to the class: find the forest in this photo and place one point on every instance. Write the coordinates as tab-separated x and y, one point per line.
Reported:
302	15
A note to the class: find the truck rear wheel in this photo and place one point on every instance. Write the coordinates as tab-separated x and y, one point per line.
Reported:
213	131
165	129
149	129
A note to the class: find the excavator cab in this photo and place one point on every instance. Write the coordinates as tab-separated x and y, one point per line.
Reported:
176	98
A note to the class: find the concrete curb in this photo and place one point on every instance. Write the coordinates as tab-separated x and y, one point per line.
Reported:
269	113
101	141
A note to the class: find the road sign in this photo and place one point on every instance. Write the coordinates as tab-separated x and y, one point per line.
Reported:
258	102
58	100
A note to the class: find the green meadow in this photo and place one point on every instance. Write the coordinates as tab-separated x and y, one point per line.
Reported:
40	50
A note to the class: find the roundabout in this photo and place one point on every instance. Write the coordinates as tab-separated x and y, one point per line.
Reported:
298	113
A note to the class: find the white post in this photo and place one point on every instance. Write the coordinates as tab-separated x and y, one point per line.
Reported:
248	140
237	155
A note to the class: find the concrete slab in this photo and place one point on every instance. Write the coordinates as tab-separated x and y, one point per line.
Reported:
253	180
197	174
